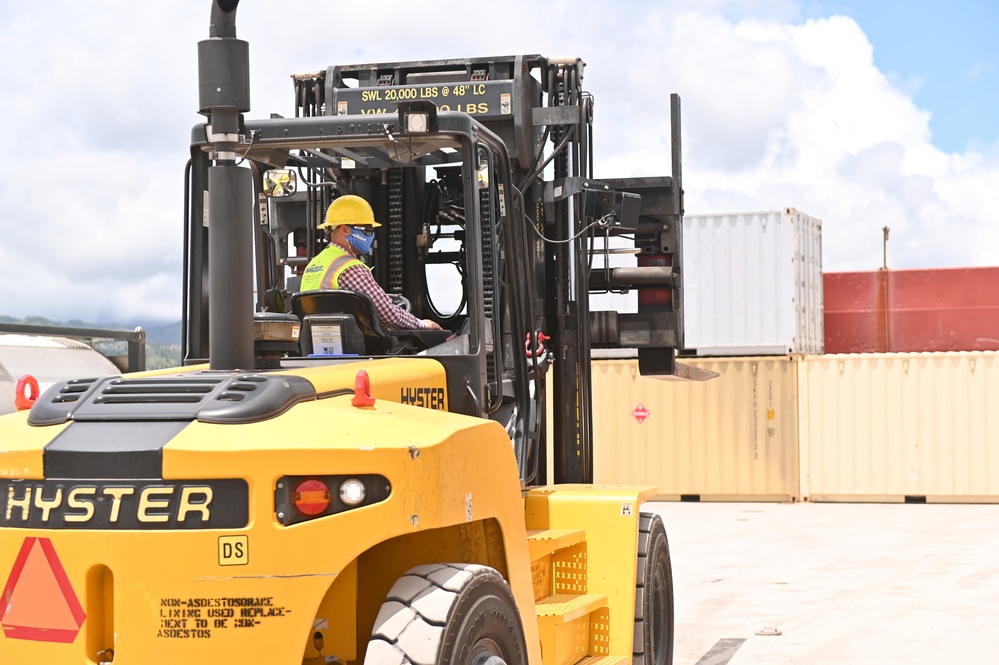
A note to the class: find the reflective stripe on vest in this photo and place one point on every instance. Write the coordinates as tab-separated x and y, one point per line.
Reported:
324	271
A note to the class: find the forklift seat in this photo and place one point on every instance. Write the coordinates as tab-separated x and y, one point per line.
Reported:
359	306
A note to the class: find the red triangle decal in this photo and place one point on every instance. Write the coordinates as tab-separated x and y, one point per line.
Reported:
38	602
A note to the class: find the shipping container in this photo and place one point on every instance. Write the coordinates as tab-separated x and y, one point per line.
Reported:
753	283
733	437
900	427
936	309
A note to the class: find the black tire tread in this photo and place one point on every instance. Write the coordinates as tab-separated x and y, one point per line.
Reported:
411	624
650	527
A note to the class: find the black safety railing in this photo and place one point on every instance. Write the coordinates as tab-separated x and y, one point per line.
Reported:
135	339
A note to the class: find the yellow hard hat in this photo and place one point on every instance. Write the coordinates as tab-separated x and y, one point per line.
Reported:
349	209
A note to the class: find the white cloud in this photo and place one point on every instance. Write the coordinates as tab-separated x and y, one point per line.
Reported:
838	142
776	113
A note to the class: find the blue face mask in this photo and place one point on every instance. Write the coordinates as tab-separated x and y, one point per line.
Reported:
360	241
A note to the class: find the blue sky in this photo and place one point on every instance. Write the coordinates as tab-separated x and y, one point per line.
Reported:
946	54
862	114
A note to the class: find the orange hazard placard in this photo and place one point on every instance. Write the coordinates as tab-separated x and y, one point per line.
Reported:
38	602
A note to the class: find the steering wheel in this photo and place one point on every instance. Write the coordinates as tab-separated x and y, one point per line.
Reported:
400	300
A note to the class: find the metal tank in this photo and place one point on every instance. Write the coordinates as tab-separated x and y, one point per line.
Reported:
48	360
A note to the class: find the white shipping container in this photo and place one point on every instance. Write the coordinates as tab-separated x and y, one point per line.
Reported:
752	283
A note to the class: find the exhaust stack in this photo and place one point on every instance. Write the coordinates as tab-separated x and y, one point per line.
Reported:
223	96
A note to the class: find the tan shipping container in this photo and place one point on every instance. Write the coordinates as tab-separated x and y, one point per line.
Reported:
900	427
731	438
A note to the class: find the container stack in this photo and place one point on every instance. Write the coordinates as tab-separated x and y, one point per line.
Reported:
876	386
753	296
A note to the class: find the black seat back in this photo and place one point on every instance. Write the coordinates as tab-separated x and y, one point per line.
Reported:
360	306
336	334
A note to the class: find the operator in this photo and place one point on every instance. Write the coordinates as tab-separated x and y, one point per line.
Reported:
351	225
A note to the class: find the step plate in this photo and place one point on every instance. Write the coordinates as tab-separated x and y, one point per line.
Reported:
548	541
566	606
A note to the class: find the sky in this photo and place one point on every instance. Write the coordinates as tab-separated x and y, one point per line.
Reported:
864	114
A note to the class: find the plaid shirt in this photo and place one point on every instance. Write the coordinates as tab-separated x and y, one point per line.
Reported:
358	278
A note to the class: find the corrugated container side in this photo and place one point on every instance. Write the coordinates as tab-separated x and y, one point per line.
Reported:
911	311
809	301
900	427
753	283
731	438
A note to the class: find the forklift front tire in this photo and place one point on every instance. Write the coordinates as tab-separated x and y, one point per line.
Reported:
457	614
653	595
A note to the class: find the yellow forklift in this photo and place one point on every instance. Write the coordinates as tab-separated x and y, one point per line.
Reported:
311	487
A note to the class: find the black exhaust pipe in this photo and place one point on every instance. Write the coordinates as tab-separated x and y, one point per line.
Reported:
223	96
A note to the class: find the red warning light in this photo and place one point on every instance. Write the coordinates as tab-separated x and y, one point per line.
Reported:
311	497
640	413
38	602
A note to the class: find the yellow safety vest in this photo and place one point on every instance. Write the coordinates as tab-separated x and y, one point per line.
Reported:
323	272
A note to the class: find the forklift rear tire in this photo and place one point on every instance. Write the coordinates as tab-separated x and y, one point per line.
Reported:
458	614
653	595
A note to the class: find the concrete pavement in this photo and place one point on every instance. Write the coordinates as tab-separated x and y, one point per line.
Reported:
865	584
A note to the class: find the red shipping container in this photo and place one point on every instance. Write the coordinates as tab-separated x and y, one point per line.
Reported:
939	309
